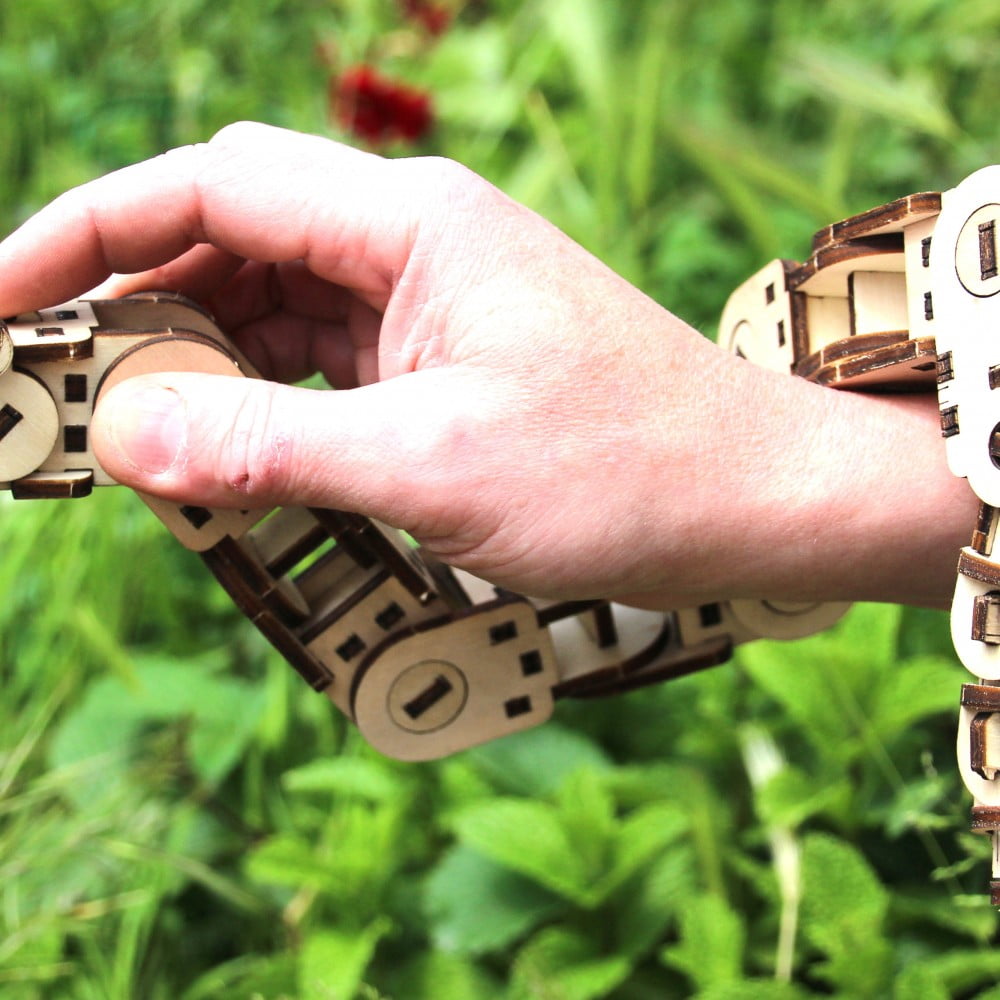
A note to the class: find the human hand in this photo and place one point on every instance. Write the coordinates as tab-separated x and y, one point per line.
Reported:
518	408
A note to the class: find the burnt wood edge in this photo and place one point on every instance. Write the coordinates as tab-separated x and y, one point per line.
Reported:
899	210
838	253
429	625
225	565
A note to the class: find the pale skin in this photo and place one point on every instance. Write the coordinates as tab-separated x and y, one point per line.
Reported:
516	406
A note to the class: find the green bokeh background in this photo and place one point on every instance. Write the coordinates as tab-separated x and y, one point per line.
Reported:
180	818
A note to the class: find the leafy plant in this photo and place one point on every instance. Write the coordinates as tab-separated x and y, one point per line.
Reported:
180	818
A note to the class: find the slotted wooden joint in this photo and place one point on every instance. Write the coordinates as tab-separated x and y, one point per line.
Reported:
981	697
949	422
982	533
995	446
985	819
945	367
986	618
984	745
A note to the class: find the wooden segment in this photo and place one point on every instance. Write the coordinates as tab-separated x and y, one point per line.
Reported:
152	312
978	567
826	272
286	537
29	421
477	688
750	619
893	217
227	564
799	304
339	605
53	485
53	339
984	745
985	819
327	573
828	321
986	618
878	303
315	673
185	352
964	285
981	697
343	634
897	364
6	349
950	426
985	530
600	623
347	530
977	755
981	659
757	322
945	369
654	666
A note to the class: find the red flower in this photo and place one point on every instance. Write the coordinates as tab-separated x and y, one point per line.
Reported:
378	109
435	17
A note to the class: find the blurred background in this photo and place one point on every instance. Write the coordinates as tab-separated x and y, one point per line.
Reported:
181	818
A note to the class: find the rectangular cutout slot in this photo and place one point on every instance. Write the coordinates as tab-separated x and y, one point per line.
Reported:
429	697
988	249
75	388
9	419
517	706
75	438
503	633
197	517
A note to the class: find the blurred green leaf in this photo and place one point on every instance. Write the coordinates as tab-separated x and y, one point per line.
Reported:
526	837
792	796
333	962
475	905
246	976
112	717
368	779
843	913
558	964
436	976
711	947
841	76
917	688
646	907
512	763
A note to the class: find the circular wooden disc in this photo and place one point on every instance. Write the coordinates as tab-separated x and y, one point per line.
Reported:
170	353
29	425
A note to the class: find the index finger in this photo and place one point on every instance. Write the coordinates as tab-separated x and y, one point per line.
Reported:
260	192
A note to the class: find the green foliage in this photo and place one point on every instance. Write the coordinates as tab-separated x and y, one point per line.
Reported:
180	818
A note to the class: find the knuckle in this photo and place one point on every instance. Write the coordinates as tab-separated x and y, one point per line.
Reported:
256	453
238	133
451	182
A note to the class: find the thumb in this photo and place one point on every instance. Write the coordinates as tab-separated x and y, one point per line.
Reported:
384	450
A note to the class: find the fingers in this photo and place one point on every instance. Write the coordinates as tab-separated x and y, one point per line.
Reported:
198	273
253	191
231	442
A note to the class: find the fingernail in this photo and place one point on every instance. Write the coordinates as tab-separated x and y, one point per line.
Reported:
149	426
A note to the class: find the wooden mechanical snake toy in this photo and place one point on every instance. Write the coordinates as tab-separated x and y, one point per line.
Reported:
427	660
